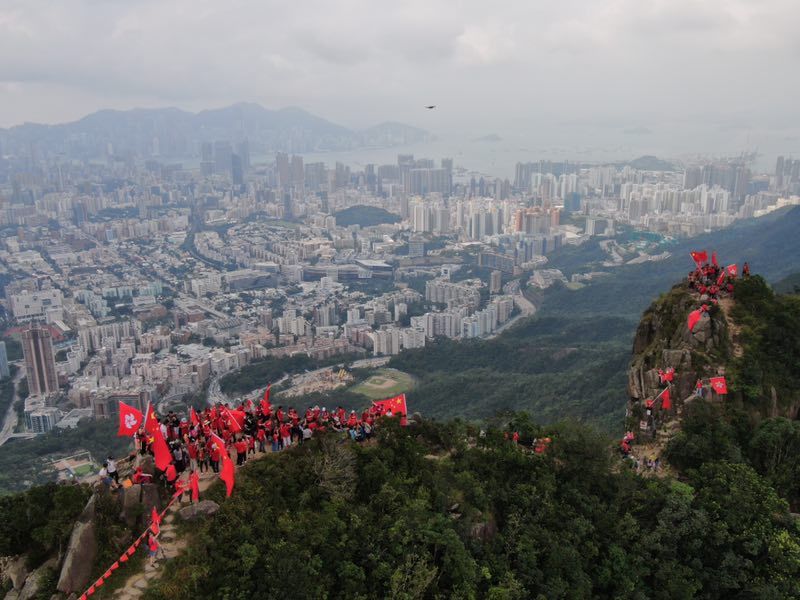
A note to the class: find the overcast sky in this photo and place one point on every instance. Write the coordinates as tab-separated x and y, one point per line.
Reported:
490	66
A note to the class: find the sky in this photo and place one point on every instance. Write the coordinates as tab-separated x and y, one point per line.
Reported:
634	67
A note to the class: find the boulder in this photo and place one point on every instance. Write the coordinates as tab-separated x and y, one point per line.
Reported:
33	582
80	554
12	595
677	359
485	531
203	508
16	570
147	463
139	499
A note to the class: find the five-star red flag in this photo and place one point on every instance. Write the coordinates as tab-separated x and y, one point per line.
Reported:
227	474
700	257
266	407
194	484
130	419
397	405
194	418
161	453
151	424
235	419
694	318
719	385
155	521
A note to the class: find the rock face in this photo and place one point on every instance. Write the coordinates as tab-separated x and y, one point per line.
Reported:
139	499
663	340
15	570
81	552
203	508
33	582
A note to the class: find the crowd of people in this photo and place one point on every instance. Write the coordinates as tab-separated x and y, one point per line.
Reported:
250	428
713	281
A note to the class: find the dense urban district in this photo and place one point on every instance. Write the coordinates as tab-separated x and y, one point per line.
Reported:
133	278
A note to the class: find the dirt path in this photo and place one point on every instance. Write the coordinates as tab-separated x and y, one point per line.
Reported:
171	544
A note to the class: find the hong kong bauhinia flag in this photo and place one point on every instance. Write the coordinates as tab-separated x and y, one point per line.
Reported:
719	385
130	419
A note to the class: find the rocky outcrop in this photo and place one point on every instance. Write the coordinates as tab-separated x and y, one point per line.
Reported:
137	500
203	508
33	582
14	569
81	552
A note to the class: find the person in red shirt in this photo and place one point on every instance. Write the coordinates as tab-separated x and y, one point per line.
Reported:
152	548
241	451
215	454
276	441
261	435
515	437
191	450
286	435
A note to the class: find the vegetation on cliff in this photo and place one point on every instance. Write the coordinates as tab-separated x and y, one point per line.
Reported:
436	511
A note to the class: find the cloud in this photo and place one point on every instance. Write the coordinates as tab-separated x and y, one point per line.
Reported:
362	61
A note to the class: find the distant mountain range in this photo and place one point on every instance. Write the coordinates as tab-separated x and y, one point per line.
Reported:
173	133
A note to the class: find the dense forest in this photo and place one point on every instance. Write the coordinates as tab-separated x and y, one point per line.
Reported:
436	510
365	216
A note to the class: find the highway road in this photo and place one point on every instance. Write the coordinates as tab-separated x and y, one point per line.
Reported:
10	420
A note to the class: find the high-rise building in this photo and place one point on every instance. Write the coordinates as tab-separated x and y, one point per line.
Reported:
4	370
40	362
495	282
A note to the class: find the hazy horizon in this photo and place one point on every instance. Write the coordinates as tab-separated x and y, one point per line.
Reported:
682	76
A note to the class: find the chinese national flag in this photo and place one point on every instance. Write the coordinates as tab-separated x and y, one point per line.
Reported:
699	257
227	474
163	456
235	419
266	407
732	270
194	484
666	400
694	318
714	258
719	385
151	424
172	472
397	405
129	419
193	416
155	521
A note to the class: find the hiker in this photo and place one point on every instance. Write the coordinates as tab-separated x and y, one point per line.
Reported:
111	467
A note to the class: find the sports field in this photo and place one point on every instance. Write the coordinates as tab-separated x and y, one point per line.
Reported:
384	383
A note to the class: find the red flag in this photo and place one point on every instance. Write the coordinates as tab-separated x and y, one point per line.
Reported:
714	258
193	416
732	270
721	277
163	456
194	483
155	521
235	419
694	318
699	257
171	472
151	424
227	474
130	420
266	407
666	401
397	405
719	385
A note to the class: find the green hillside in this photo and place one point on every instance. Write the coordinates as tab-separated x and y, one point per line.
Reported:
365	216
427	513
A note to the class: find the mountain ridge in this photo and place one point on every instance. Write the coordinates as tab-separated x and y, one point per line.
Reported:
172	132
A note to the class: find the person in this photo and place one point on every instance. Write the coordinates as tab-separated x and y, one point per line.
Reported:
698	388
111	467
746	270
152	547
105	477
241	451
